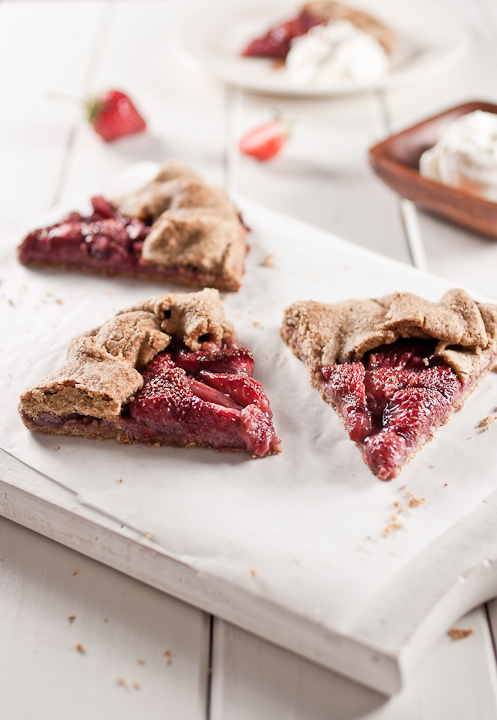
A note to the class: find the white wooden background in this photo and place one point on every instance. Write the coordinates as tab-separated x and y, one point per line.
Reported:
144	654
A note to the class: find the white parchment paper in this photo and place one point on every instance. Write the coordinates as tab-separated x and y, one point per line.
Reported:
311	529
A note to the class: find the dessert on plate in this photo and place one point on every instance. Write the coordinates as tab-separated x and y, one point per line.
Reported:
394	368
167	371
465	155
177	228
328	41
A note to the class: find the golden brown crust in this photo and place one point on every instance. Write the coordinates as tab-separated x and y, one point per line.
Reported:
189	316
195	225
332	10
325	334
100	372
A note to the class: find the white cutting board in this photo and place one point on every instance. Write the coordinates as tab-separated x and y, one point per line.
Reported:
300	548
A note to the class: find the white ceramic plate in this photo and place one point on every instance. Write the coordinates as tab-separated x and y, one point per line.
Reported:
430	40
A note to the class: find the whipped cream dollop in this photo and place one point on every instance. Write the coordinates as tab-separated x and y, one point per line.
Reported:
466	155
336	51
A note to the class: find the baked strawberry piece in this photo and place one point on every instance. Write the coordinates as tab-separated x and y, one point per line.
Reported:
177	228
276	42
105	241
169	371
394	368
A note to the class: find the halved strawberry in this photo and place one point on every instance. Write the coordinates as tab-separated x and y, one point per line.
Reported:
114	115
265	141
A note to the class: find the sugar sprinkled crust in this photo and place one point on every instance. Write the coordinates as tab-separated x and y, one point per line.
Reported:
100	373
194	225
326	334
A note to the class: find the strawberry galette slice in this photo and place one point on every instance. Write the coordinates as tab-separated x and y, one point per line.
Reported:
168	371
394	368
277	41
177	228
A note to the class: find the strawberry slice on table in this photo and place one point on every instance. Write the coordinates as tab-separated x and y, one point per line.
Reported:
114	115
265	141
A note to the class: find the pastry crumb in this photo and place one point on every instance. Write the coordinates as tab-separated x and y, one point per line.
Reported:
106	620
59	301
140	661
57	448
71	618
136	685
148	533
79	647
75	572
487	422
269	261
256	323
391	527
120	480
253	572
426	362
168	653
414	500
121	681
459	633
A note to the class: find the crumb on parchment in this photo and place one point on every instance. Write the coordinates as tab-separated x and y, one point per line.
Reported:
71	618
460	633
269	261
391	527
253	572
79	647
414	500
487	422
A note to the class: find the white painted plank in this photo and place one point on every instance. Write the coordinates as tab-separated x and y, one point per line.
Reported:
184	108
322	175
253	680
44	46
124	628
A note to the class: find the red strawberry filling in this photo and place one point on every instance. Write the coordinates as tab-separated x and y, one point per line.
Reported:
104	240
277	41
213	403
393	400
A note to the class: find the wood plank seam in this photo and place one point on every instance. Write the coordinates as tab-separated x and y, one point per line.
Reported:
491	631
407	209
210	669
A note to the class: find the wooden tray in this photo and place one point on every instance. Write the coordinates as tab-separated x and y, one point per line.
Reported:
396	161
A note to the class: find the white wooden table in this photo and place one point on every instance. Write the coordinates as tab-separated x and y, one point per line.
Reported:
78	639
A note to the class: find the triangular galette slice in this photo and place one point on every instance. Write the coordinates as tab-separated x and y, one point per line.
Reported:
168	371
177	228
395	368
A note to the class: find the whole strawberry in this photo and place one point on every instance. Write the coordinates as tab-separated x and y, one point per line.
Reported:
113	115
265	141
